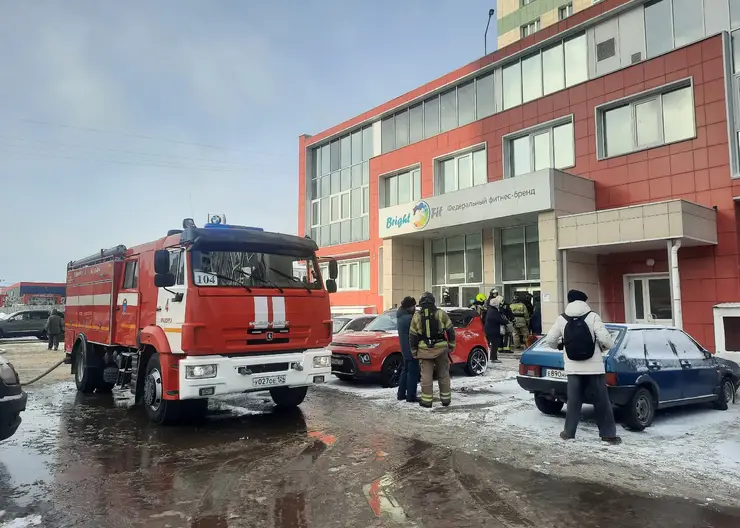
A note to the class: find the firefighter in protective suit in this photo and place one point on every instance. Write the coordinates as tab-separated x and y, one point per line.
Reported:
432	340
521	315
479	305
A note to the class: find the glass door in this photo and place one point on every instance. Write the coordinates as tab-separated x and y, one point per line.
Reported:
649	299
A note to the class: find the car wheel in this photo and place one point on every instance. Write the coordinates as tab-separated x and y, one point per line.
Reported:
477	363
547	405
288	397
1	334
640	411
43	337
391	372
726	394
344	377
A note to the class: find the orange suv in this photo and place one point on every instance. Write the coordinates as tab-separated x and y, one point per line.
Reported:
376	352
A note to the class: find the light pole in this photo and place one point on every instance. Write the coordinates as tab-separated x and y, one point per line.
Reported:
485	35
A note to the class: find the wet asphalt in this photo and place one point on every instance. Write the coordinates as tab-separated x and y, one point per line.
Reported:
92	460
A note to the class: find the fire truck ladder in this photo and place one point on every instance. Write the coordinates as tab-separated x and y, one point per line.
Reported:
104	255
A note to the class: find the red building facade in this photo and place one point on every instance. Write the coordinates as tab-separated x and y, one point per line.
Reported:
642	148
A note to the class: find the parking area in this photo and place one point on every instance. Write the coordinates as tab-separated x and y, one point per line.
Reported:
692	452
30	357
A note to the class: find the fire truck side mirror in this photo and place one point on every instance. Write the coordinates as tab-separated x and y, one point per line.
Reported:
331	286
164	280
161	261
333	269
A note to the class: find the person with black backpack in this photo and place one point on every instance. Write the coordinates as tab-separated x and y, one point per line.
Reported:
583	335
432	340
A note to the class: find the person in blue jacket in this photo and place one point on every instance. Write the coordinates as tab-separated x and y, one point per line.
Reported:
409	378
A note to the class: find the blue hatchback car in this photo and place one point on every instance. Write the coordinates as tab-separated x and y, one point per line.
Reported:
649	368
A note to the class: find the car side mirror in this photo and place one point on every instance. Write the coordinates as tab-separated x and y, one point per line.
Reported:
161	261
333	269
708	354
331	286
164	280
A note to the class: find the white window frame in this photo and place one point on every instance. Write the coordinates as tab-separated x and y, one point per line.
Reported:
383	180
530	28
456	156
350	269
632	101
565	11
531	132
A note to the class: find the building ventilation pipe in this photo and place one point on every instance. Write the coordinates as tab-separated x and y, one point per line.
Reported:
676	285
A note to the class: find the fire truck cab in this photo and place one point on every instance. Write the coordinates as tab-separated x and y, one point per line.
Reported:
199	313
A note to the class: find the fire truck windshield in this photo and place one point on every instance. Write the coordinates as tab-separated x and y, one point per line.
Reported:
254	270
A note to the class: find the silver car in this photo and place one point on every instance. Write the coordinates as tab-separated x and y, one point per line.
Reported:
351	323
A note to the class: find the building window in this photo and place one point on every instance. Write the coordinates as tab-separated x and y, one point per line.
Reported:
353	274
520	254
400	188
339	189
380	270
545	71
542	147
658	30
461	171
688	21
457	260
565	11
528	29
664	116
525	2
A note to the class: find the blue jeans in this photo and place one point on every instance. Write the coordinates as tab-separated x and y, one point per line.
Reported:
409	379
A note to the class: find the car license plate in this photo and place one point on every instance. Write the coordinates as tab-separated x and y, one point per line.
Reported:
554	373
268	381
337	361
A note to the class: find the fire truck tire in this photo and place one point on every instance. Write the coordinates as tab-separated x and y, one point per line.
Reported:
88	368
288	397
159	410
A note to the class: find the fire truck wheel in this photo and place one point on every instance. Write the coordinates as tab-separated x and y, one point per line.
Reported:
159	410
287	397
88	374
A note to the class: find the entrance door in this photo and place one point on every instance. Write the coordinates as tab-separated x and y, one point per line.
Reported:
649	299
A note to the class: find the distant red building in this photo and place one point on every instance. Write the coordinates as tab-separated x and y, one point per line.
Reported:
32	293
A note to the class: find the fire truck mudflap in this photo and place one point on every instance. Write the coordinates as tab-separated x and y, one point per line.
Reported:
206	376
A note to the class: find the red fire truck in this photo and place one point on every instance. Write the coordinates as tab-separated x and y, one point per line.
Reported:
201	312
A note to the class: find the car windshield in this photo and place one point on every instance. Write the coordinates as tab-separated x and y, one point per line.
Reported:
339	322
387	322
255	270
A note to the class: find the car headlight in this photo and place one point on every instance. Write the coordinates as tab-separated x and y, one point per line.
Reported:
8	374
368	345
321	361
201	371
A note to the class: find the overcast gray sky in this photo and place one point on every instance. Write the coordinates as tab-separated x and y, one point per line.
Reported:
118	119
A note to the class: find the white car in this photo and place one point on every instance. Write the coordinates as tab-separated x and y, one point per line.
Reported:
351	323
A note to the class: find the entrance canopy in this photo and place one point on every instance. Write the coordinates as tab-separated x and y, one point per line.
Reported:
638	227
502	203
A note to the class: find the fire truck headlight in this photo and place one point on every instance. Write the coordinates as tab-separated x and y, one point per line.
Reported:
322	361
201	371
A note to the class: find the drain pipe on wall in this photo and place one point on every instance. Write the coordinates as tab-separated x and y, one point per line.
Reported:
675	245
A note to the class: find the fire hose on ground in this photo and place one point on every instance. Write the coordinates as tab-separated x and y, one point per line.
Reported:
34	380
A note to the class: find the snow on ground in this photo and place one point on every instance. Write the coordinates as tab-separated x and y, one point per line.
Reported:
693	451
